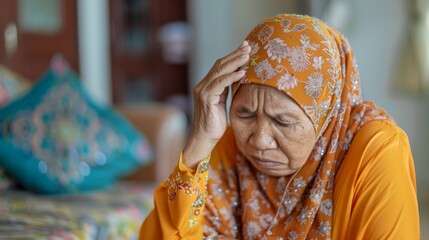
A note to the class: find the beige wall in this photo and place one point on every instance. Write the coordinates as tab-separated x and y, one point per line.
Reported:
94	51
248	13
219	26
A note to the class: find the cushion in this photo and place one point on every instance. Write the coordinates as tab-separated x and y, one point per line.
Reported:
55	139
11	86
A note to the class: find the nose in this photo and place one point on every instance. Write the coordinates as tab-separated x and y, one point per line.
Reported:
262	139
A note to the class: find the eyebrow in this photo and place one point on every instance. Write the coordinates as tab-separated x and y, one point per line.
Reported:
285	116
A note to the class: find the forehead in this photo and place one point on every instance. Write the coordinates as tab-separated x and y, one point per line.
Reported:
251	95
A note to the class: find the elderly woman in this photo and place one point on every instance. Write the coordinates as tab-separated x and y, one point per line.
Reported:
304	157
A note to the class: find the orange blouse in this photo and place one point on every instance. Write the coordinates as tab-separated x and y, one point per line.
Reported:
374	192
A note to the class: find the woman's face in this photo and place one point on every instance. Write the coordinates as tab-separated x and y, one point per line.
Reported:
271	130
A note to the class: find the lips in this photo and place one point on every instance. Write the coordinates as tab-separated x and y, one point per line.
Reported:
265	163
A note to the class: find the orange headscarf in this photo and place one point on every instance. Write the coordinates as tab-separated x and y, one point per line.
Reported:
313	64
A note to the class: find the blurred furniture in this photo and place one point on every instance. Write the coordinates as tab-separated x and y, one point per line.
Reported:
32	31
165	127
139	72
115	213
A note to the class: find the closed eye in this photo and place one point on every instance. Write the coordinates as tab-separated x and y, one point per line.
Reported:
283	123
244	113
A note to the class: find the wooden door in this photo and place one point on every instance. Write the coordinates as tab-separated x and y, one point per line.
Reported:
138	71
32	31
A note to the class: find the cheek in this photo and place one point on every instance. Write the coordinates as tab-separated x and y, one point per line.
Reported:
241	132
298	143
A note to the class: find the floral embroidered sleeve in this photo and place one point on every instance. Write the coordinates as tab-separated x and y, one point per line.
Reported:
179	204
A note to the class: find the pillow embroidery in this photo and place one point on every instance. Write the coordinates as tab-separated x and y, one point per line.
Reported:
70	136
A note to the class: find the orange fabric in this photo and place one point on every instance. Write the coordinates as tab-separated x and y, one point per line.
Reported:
374	196
375	188
179	204
313	64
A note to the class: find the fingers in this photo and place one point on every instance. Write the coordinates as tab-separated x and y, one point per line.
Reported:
243	47
211	94
231	62
218	86
223	74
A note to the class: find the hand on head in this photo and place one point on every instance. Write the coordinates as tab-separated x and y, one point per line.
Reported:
210	95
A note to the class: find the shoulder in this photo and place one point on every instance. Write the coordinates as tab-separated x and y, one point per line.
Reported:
378	132
375	137
380	151
375	187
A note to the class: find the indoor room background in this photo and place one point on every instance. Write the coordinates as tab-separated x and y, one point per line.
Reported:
389	38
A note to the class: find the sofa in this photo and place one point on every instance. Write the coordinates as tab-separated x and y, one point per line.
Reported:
114	212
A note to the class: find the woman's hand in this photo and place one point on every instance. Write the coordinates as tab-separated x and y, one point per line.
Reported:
209	105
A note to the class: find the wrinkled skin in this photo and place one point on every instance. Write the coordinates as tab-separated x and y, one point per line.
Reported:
271	130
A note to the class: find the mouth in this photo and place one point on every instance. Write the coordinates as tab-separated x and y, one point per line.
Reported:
265	163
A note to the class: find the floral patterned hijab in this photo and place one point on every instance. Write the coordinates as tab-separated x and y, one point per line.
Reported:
313	64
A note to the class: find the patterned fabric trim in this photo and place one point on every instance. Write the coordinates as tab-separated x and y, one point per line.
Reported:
191	183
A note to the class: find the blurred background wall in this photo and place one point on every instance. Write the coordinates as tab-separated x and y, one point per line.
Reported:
219	27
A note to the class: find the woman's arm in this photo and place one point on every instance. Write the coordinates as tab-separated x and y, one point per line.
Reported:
179	204
210	95
180	201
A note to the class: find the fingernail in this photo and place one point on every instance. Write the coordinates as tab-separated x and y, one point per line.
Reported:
241	72
244	55
245	48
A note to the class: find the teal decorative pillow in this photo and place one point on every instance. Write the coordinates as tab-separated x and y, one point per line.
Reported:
11	86
55	139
